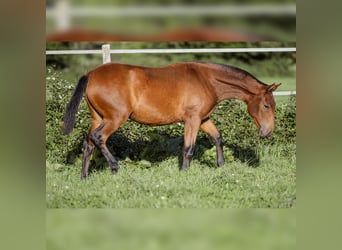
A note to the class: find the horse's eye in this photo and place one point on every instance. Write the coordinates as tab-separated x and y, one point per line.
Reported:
266	106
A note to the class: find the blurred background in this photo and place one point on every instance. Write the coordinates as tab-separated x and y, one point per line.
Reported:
267	66
180	20
169	229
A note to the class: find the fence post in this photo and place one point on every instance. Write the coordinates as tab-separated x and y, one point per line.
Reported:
63	17
106	53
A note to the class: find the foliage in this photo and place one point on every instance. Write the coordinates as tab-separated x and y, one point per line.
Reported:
58	146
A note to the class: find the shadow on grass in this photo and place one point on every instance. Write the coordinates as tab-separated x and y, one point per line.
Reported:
245	155
161	147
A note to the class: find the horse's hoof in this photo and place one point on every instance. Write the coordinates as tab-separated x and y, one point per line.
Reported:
220	163
183	168
115	170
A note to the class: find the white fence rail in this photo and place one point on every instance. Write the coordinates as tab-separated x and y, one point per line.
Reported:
284	93
169	51
106	52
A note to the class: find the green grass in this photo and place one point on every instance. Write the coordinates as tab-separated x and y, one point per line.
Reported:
142	184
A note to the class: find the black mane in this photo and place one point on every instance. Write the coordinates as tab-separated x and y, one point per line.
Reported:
242	72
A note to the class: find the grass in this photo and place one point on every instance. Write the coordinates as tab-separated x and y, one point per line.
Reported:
143	184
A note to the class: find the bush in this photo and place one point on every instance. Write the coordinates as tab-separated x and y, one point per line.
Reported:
154	144
59	147
285	122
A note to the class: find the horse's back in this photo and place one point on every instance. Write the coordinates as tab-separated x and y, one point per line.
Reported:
153	82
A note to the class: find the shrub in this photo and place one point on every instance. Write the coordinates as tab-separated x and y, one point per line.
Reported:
59	147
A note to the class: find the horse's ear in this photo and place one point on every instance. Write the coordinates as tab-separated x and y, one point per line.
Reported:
272	87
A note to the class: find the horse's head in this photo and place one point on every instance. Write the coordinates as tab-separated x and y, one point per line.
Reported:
261	107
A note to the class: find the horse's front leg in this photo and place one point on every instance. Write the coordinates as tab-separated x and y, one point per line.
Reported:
209	128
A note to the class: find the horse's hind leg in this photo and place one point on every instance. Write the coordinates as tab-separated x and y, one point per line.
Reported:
88	145
191	128
100	135
88	149
209	128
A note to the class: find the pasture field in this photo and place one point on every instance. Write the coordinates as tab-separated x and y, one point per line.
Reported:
142	184
257	172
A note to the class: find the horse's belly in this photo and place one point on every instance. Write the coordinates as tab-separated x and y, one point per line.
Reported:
156	115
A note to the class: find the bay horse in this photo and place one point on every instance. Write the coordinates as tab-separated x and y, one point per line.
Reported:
186	92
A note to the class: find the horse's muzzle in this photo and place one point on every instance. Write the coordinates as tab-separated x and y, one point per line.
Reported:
265	134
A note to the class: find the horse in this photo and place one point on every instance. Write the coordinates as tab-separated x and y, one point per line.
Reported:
185	92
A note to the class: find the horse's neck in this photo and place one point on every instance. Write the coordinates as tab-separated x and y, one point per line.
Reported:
228	86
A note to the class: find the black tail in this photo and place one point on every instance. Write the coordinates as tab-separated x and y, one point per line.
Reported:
71	109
